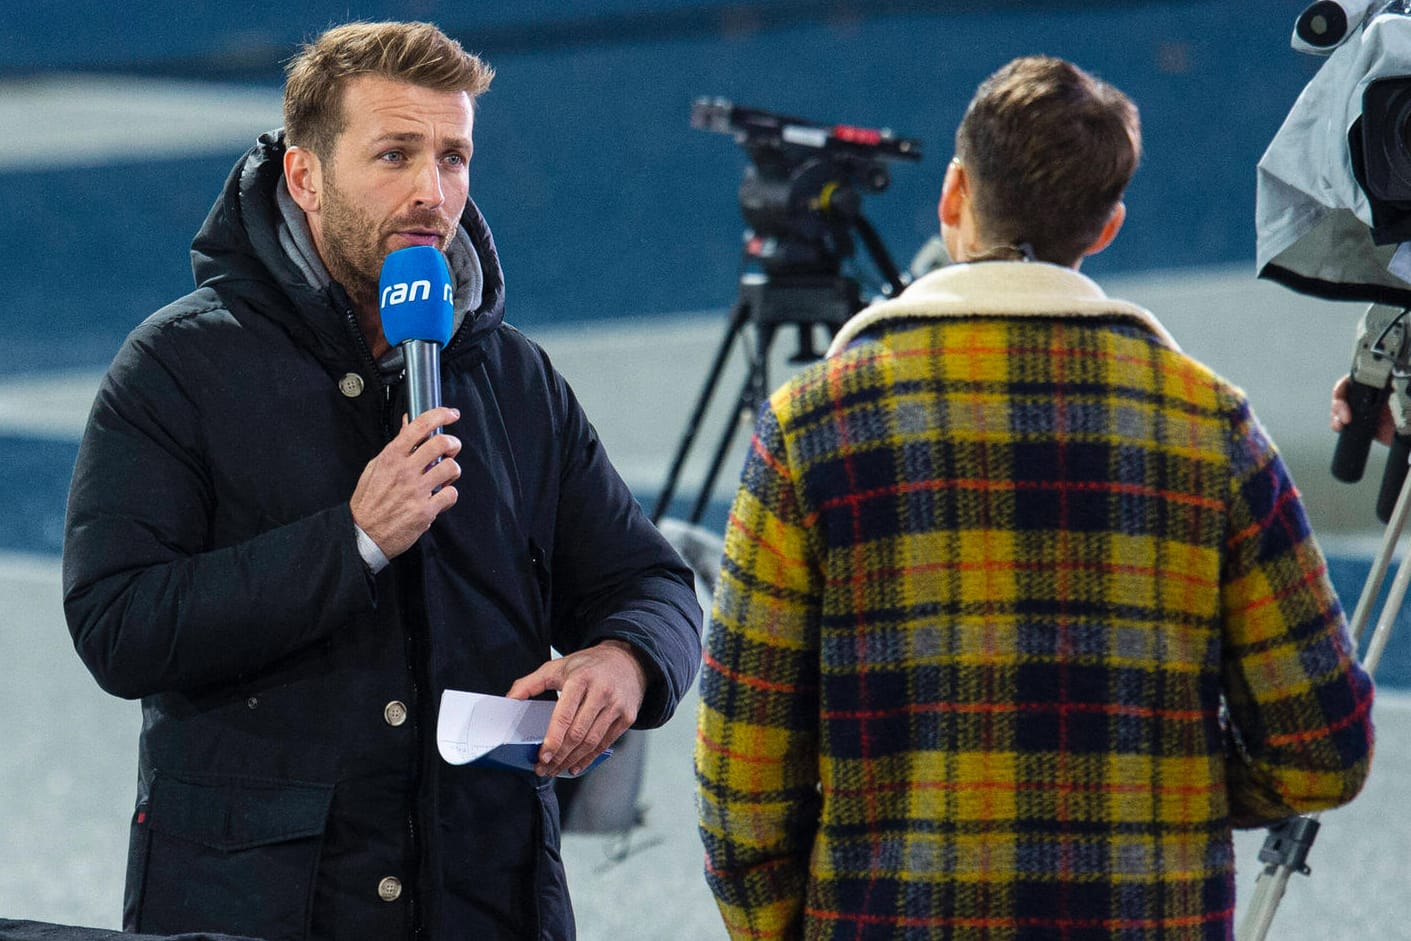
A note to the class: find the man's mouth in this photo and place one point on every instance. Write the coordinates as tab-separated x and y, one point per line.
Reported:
420	237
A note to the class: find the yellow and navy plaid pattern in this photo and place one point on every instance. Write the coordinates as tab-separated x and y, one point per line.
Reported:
987	584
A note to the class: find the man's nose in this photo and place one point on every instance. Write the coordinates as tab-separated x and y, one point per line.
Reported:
429	191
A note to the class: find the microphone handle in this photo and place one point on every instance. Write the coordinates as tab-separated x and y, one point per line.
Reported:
423	363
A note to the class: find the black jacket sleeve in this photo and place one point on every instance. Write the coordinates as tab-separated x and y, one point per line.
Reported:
152	604
615	575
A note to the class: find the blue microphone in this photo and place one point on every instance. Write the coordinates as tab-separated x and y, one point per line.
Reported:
416	297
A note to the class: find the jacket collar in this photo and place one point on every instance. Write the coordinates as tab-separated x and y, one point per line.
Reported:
999	289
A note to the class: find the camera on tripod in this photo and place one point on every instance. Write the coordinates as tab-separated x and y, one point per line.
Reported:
1334	213
802	198
802	192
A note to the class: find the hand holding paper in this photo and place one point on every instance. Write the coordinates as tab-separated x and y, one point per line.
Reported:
600	690
494	731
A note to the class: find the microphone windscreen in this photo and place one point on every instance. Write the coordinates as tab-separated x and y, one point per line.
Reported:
415	296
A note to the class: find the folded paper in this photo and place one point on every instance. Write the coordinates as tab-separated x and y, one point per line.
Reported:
493	731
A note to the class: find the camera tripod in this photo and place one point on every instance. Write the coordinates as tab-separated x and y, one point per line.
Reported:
803	301
1381	375
802	196
1285	849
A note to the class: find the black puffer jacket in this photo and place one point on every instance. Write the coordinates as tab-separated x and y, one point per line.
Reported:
210	568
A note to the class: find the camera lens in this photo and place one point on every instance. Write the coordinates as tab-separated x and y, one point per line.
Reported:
1386	122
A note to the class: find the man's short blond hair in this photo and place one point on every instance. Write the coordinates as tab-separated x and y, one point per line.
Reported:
1048	150
417	53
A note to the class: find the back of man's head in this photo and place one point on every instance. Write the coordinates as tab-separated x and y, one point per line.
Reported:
416	53
1048	151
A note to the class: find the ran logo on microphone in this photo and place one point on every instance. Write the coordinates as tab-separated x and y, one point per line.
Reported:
405	293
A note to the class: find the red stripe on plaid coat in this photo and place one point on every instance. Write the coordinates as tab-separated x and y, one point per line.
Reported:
1019	614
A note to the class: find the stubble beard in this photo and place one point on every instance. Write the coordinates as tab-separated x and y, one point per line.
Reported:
356	244
354	247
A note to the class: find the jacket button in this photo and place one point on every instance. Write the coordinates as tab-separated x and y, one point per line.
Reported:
389	889
395	713
351	385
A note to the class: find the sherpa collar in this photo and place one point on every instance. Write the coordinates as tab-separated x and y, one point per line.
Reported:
999	289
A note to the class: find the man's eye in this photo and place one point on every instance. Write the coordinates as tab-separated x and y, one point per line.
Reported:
391	156
457	160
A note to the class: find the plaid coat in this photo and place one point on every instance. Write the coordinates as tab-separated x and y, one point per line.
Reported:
1019	614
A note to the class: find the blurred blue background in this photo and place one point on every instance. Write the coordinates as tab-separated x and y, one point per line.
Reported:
604	201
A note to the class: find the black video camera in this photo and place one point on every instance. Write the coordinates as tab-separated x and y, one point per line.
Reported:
801	193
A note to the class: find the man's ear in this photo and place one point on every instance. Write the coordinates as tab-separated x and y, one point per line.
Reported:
303	174
1109	231
953	193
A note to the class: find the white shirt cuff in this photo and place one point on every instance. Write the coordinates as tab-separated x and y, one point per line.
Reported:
374	557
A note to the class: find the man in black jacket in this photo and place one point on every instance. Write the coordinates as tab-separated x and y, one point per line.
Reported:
266	551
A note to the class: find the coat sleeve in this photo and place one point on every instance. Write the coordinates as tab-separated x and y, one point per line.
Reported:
757	752
1299	704
151	604
614	574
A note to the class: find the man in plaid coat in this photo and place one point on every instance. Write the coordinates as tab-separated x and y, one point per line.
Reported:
1020	612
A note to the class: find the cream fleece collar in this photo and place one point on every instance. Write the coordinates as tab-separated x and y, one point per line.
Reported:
999	289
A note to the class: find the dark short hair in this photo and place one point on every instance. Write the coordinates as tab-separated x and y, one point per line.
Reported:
417	53
1048	151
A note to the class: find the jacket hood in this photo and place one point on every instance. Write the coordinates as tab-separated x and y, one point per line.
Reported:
238	253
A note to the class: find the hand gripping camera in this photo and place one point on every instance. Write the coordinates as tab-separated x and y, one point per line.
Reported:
1381	374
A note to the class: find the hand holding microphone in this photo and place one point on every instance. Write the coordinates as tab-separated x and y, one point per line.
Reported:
404	488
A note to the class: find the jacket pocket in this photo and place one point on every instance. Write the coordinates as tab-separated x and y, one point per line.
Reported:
550	881
233	854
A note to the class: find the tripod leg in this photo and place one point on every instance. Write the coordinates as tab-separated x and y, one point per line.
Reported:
1399	584
738	317
1269	887
751	394
1269	891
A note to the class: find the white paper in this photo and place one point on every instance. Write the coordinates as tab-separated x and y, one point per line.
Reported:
496	732
471	725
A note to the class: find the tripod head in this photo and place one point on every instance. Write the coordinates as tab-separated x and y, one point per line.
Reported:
802	192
